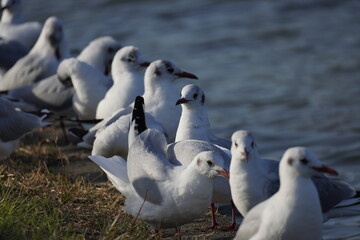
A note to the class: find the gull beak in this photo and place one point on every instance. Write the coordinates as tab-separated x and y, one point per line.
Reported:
223	173
245	154
144	64
181	101
186	75
326	169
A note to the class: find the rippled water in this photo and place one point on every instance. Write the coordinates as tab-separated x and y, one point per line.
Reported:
287	70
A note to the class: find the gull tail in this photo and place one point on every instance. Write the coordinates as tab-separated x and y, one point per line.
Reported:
138	121
116	171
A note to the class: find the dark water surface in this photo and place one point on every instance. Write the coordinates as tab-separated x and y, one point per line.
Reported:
287	70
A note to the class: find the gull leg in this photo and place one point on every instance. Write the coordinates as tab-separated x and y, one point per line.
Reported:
213	218
232	226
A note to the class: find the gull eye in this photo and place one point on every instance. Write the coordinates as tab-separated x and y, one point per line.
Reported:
195	95
236	145
304	161
210	163
170	69
131	58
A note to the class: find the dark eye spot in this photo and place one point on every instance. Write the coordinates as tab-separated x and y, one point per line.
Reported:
236	145
170	70
210	163
304	161
157	73
290	161
195	95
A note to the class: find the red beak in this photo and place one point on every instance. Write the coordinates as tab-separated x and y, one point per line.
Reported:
223	173
186	75
326	169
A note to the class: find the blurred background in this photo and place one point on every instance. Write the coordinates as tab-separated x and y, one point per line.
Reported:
287	70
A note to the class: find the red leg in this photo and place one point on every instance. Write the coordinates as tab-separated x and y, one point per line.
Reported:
213	219
233	220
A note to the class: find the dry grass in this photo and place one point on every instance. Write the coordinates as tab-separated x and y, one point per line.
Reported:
40	199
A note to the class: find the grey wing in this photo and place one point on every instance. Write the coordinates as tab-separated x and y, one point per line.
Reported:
221	142
147	165
332	191
10	53
26	71
183	152
48	93
117	115
18	124
273	184
89	138
53	94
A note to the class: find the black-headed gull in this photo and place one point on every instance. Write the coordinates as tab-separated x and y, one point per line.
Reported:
158	192
254	179
13	28
42	60
15	124
128	81
51	94
182	152
294	212
160	95
194	122
90	86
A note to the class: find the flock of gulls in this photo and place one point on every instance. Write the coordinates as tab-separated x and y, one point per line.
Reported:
158	149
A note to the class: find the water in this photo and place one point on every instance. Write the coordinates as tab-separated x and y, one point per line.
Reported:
287	70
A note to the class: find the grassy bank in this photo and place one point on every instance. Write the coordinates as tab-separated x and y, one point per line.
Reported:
45	193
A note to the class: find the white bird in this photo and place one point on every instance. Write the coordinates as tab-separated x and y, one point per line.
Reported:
12	26
294	212
90	86
51	94
128	81
160	96
15	124
42	60
182	152
254	179
158	192
194	122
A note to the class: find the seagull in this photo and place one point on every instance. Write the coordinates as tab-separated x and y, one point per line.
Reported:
89	83
294	211
182	152
12	26
14	125
194	122
160	95
156	191
254	179
42	60
128	81
51	94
